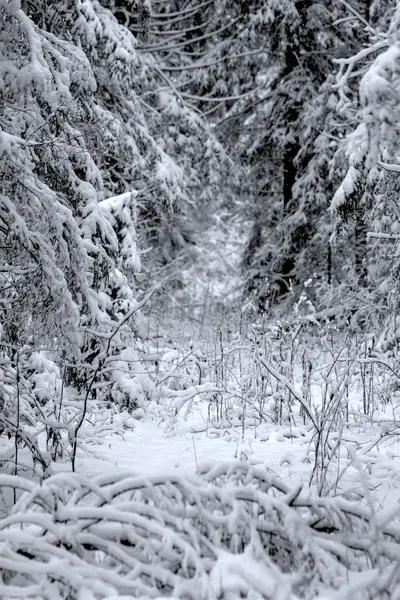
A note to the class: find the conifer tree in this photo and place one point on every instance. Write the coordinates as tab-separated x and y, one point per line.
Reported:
367	196
73	135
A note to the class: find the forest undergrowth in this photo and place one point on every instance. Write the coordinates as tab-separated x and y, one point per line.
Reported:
233	530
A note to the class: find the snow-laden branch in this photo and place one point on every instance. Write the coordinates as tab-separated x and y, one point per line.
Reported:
296	393
389	167
233	531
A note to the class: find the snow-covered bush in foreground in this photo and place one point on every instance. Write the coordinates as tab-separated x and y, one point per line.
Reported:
232	532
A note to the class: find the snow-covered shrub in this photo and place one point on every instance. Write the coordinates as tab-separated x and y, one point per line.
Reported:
232	532
40	413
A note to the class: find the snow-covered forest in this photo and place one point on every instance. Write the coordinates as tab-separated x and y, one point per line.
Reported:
199	299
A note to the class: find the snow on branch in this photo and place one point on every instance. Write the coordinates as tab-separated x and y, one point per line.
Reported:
389	167
374	142
233	531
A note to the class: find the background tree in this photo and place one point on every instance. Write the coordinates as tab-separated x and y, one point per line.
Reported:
262	75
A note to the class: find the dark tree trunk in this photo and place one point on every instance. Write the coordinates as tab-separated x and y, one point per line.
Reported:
329	264
289	175
361	251
289	179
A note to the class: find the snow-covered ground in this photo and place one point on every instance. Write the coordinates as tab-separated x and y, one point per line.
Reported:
368	468
144	516
148	450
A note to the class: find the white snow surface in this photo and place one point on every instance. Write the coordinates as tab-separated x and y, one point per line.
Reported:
148	450
158	448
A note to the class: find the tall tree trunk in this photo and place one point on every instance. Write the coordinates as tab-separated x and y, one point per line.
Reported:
289	179
361	251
